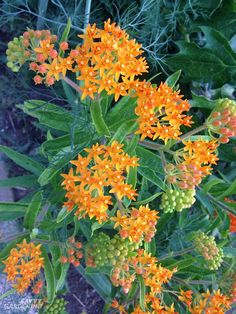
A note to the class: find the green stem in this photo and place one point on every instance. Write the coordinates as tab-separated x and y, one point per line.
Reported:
14	237
174	254
71	83
190	133
87	13
220	204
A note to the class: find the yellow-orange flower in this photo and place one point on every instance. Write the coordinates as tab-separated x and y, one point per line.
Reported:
137	224
215	303
160	112
23	265
97	176
194	163
108	60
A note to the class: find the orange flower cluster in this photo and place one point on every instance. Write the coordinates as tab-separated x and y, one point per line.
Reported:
23	265
137	224
145	265
196	159
73	254
160	111
37	287
222	120
215	303
106	56
156	307
103	169
232	217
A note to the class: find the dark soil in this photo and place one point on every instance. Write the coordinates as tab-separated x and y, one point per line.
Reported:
81	297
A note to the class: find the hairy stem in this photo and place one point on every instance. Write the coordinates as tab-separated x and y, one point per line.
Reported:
173	254
71	83
87	13
190	133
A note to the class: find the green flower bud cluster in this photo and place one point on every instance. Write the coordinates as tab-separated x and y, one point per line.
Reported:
206	246
58	306
16	54
177	200
104	251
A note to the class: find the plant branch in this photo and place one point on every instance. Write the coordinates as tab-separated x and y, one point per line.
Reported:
71	83
179	253
190	133
87	13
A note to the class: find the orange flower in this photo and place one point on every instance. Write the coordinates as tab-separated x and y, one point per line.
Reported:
232	217
160	112
186	297
23	265
103	167
215	303
45	47
194	163
137	224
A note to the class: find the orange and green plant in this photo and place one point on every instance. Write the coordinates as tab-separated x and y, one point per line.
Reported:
121	177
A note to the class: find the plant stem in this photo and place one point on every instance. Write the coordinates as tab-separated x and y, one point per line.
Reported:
87	13
163	159
14	237
173	254
153	145
221	204
71	83
190	133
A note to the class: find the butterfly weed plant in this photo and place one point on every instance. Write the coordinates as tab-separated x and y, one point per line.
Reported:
122	189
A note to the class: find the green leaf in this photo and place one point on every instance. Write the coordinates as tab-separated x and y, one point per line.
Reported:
119	113
147	200
219	45
163	221
62	279
61	159
65	35
173	78
99	282
22	160
142	291
63	213
12	211
95	226
49	276
229	252
230	191
212	182
6	250
6	294
201	64
202	102
98	120
124	129
151	176
85	227
48	114
206	203
32	211
26	181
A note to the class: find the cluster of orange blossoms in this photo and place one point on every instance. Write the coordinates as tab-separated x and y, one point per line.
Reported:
137	224
160	112
98	175
222	120
108	60
195	163
232	217
208	303
142	264
23	265
73	253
